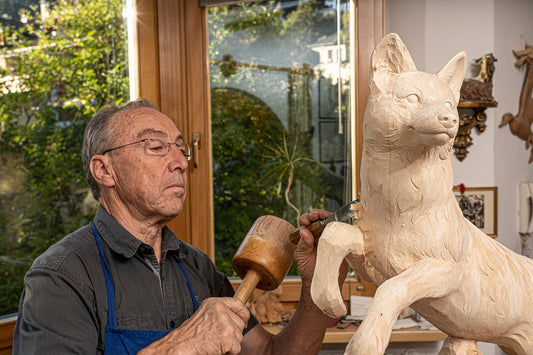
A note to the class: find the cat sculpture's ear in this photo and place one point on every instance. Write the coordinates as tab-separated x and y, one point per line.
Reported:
392	56
453	73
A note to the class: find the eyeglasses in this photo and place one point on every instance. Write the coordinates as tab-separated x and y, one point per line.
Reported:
157	147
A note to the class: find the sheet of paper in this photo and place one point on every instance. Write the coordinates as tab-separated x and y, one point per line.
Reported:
405	323
359	306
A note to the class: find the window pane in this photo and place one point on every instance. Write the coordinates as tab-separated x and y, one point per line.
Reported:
61	61
280	89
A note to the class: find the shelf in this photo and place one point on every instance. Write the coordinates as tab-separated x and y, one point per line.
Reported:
471	115
340	336
477	104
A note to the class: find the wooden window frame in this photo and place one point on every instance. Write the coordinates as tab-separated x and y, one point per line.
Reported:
173	63
173	71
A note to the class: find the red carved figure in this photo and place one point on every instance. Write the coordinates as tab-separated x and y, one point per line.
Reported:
520	124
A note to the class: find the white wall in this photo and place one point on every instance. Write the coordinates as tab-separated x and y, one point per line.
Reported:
434	31
513	27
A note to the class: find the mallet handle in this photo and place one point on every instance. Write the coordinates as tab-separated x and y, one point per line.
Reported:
248	285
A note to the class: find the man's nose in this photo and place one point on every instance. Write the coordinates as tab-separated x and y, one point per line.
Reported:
177	156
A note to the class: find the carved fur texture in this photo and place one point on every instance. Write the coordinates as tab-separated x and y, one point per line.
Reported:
412	239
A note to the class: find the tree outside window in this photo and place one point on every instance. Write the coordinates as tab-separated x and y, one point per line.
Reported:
61	61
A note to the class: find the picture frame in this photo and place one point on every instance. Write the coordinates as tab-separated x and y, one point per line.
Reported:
480	206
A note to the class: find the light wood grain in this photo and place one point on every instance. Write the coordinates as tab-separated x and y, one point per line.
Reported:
147	50
174	74
411	237
7	325
264	256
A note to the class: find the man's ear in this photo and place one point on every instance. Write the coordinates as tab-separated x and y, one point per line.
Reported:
102	170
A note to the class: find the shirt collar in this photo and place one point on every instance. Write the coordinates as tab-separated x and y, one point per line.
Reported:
124	243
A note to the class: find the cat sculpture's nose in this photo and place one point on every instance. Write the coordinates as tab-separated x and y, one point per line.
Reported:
448	120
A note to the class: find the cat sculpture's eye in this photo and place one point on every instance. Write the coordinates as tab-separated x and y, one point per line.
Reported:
413	98
448	104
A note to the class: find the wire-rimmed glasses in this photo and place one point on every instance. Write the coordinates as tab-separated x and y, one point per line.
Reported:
158	147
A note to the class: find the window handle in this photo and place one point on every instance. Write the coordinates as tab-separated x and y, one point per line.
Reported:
195	147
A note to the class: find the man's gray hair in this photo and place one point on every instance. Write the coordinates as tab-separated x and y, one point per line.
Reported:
99	135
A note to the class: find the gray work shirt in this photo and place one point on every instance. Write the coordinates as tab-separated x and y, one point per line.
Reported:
63	309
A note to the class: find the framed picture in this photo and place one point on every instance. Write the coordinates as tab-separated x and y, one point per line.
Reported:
479	206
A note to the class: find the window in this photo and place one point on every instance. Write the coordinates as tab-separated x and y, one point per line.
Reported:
58	68
281	119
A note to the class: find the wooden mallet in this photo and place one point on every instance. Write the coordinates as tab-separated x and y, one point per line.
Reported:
264	256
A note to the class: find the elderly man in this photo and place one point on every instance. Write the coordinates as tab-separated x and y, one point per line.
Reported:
125	283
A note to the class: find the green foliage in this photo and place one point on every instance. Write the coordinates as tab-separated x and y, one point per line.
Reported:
258	30
255	164
61	71
282	162
239	123
263	164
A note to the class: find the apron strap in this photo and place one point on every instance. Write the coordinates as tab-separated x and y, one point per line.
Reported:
188	285
111	314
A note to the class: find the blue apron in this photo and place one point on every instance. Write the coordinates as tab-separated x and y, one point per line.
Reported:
127	341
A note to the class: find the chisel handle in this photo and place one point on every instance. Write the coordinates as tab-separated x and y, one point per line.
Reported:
316	228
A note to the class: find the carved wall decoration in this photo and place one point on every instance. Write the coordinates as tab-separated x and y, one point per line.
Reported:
480	87
410	236
476	96
520	125
267	307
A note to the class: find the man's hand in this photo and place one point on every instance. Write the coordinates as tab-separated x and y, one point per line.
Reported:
215	328
305	254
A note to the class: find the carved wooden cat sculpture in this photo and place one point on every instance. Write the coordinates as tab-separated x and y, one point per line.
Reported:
411	237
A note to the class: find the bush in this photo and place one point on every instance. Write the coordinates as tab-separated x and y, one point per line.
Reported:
59	72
